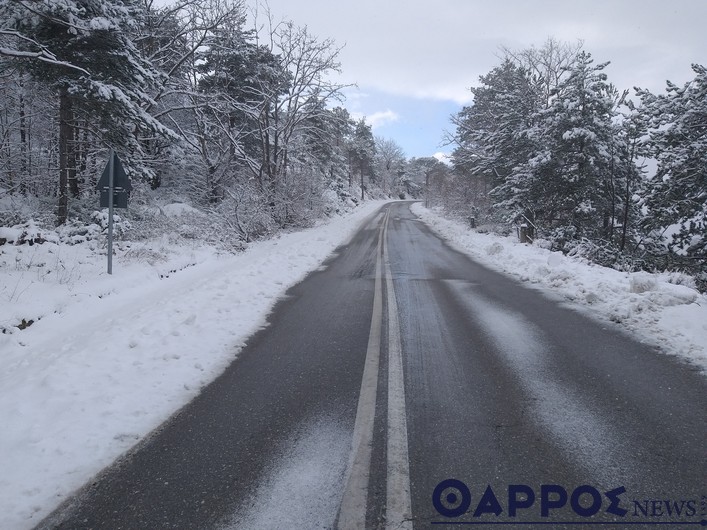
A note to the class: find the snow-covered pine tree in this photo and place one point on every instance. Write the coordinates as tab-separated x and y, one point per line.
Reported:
362	153
97	72
676	197
625	176
331	136
564	182
491	134
240	80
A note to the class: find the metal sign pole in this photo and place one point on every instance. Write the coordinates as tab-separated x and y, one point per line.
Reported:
114	186
111	178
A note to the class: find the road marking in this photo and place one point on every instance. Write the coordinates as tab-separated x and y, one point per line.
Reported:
398	507
352	512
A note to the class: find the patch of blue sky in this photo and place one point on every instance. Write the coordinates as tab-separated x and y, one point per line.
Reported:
418	125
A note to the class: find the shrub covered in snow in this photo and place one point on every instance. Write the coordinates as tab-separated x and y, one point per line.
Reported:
642	282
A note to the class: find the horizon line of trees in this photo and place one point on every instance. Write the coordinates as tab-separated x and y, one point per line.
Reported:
550	143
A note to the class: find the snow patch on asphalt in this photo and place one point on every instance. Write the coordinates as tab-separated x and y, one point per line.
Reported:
303	488
573	420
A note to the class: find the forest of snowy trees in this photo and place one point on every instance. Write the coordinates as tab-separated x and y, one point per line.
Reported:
551	144
244	124
236	114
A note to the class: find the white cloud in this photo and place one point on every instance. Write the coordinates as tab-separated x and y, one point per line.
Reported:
445	158
404	47
377	119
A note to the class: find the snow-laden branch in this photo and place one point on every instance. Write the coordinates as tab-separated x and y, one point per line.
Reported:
197	28
43	54
72	26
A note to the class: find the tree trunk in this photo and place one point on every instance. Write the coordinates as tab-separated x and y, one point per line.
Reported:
361	171
627	195
24	172
214	186
627	206
609	228
82	155
72	159
66	134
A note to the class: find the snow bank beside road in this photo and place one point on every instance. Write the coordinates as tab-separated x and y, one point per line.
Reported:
106	359
662	309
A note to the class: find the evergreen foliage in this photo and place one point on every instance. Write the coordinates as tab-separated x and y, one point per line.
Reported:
243	124
676	197
550	143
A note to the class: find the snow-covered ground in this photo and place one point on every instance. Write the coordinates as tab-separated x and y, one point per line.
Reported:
661	309
106	359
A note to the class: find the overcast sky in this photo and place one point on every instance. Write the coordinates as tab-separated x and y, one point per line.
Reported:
414	61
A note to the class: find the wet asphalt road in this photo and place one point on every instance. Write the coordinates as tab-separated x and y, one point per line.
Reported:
504	391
